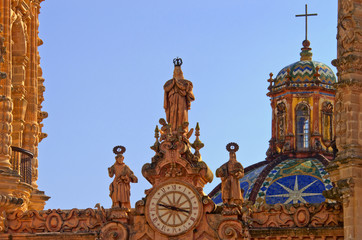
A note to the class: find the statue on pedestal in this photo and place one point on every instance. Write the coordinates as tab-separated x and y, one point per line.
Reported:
230	173
178	97
120	187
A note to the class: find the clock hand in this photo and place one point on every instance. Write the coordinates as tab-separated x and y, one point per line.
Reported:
172	208
181	210
165	206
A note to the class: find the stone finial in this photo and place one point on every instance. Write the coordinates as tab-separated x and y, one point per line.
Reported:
120	187
288	77
270	81
197	145
156	145
306	54
317	75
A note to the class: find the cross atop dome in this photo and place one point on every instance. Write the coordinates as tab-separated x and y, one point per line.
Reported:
306	15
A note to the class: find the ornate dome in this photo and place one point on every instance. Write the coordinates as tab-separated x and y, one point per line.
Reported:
302	74
285	181
305	73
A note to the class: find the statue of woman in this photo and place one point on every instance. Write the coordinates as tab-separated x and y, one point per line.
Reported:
178	97
120	187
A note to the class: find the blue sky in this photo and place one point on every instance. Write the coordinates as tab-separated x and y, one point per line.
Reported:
105	63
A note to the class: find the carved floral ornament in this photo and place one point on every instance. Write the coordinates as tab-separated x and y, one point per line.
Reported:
297	215
75	220
327	107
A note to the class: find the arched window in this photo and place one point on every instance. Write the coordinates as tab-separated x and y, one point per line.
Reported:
302	126
327	126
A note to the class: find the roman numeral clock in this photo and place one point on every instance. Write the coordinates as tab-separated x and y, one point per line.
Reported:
174	205
173	208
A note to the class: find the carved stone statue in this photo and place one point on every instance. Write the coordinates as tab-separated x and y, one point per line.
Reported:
230	173
178	97
120	187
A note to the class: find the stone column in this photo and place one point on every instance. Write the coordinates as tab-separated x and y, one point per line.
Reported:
290	122
6	105
32	133
18	96
31	130
348	116
315	129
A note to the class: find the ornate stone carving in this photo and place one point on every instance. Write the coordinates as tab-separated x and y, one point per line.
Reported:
114	231
342	192
174	158
6	107
123	176
297	215
281	121
232	229
347	64
74	220
349	39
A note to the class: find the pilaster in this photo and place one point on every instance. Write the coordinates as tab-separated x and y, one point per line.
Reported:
347	167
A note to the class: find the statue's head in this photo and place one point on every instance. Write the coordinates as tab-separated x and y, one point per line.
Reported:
119	158
162	121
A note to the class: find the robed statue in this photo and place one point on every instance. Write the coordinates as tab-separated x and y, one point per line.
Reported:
230	173
178	97
120	187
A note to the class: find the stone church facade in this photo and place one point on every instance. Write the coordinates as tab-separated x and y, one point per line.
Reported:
175	207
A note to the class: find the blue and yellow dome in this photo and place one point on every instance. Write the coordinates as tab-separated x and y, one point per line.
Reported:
284	181
302	73
306	72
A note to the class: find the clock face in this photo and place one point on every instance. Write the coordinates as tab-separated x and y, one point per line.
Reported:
174	209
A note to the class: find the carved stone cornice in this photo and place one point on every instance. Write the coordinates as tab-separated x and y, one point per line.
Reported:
297	215
10	201
350	63
74	220
349	83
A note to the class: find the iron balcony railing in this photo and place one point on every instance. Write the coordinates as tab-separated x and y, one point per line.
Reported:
21	162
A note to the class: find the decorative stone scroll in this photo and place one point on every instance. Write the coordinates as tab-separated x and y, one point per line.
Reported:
173	156
75	220
298	215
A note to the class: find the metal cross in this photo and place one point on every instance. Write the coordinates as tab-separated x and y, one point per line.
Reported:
306	20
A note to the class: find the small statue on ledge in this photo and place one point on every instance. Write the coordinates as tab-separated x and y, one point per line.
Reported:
230	173
120	187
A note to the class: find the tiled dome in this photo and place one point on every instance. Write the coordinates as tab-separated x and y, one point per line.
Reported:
284	181
305	73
